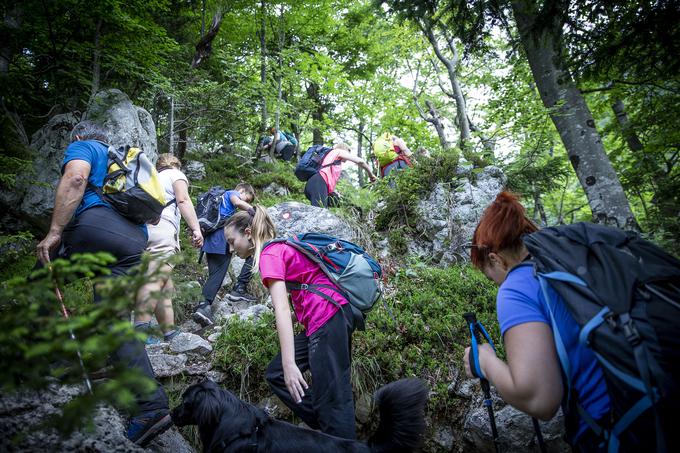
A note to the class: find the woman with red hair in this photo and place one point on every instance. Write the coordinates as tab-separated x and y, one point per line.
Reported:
531	379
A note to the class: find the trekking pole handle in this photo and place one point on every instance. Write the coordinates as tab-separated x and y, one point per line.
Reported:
473	357
477	331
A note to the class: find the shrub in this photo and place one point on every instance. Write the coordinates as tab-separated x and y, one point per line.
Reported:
36	346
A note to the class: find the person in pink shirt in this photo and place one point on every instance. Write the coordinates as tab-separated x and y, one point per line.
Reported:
320	188
324	347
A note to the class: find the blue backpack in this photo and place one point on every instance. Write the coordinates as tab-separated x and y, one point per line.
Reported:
310	164
355	273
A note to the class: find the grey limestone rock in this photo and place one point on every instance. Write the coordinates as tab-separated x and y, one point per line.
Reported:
194	170
294	218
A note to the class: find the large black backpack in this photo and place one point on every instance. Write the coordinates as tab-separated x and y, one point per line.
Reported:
208	210
624	293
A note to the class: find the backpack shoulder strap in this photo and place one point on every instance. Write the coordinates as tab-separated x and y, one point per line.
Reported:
297	286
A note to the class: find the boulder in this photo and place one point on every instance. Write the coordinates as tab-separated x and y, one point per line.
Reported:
21	415
194	170
444	438
449	215
188	342
515	430
127	124
294	218
276	190
165	364
32	199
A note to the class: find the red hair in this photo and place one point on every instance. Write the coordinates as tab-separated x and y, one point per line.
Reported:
501	227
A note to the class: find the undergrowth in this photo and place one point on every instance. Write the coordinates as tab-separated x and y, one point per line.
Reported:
398	216
427	341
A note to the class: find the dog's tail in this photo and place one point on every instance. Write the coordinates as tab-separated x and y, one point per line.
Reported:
402	416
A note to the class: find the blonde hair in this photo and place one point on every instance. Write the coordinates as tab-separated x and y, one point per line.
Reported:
342	146
262	229
166	160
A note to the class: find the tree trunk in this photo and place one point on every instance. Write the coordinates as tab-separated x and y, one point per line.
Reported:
204	46
96	65
539	210
263	64
279	92
360	141
171	127
182	143
451	65
203	19
438	125
572	118
11	23
631	137
317	113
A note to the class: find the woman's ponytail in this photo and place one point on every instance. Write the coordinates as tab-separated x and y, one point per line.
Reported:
261	226
262	231
501	227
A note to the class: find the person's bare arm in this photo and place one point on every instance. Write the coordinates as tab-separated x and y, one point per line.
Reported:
344	155
236	201
292	376
69	194
531	380
186	209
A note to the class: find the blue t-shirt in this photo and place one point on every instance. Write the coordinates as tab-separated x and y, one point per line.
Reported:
520	300
95	154
215	241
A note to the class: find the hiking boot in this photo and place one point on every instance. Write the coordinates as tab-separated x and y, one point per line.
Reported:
148	331
146	426
168	337
239	293
203	315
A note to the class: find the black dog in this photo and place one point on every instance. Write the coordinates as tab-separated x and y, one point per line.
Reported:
227	424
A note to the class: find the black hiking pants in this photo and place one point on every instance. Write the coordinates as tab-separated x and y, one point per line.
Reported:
328	403
101	229
316	192
218	265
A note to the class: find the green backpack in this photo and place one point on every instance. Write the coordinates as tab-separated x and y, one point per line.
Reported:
383	149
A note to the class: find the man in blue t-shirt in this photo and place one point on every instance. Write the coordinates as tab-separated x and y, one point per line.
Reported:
217	252
83	223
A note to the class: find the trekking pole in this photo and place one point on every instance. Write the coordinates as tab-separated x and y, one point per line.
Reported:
73	337
539	435
476	328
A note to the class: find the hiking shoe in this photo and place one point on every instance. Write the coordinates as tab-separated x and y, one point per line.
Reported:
146	426
168	337
203	315
239	294
148	331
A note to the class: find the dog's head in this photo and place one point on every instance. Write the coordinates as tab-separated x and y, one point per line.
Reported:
202	404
